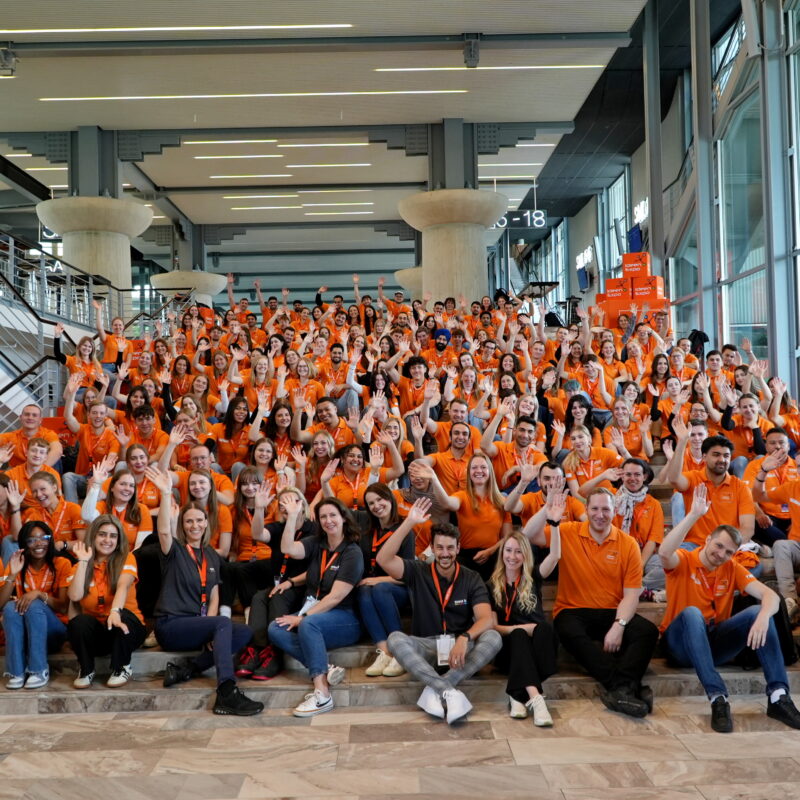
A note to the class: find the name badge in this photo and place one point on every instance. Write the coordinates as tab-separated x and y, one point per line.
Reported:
310	602
444	644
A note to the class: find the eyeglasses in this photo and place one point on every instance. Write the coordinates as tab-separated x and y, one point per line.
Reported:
34	539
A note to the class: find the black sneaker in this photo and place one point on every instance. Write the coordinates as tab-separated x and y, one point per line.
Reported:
645	694
237	704
785	711
623	701
176	673
271	665
248	661
721	719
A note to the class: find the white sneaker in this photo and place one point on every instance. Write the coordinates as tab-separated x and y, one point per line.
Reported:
430	702
538	708
314	703
120	677
377	667
516	710
335	675
660	596
15	682
791	607
393	669
457	705
36	680
83	681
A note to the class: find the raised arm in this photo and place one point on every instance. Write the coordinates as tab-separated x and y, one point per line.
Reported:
98	320
387	557
674	539
293	509
674	472
163	482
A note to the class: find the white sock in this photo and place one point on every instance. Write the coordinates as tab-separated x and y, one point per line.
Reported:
247	615
714	697
776	695
225	611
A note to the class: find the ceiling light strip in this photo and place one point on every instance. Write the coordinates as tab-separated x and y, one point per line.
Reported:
250	95
230	141
276	175
176	29
491	69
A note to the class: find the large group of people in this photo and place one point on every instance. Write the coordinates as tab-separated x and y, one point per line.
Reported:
409	472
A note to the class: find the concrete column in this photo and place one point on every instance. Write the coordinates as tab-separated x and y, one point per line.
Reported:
97	233
452	222
205	284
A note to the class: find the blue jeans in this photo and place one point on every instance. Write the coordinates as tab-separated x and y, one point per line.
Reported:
192	633
380	608
692	643
8	547
309	644
75	486
677	507
30	637
738	466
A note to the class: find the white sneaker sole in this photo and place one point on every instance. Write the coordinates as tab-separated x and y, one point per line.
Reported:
313	713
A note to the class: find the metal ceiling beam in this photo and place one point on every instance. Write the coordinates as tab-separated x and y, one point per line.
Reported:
163	191
598	39
22	182
306	253
318	224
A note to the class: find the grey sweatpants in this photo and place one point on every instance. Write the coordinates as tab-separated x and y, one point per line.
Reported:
787	557
418	657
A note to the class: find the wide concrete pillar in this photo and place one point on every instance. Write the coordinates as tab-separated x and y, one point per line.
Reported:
452	222
97	233
411	280
204	284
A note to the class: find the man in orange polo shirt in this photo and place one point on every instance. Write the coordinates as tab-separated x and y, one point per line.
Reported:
731	500
458	412
530	504
30	420
698	629
35	459
328	420
449	465
599	582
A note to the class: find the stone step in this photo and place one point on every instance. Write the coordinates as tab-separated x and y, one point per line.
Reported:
287	690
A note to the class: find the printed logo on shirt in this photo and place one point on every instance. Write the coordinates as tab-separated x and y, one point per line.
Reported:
333	567
613	556
722	587
460	602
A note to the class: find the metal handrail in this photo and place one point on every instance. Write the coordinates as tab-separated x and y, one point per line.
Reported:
28	307
33	368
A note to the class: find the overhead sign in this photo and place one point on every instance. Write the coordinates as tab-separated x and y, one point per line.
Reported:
536	218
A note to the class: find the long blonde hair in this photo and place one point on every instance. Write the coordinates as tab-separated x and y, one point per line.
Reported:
572	460
526	590
492	492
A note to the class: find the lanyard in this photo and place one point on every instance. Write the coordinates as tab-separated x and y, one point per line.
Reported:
285	559
443	601
376	543
510	603
712	590
93	446
202	571
325	565
45	585
141	489
56	523
353	487
101	585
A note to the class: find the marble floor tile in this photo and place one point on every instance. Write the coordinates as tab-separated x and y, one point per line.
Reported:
12	742
594	776
418	754
750	791
718	771
218	761
144	788
574	750
655	724
525	729
298	737
486	781
368	716
277	783
632	794
100	763
420	732
751	704
755	745
203	721
114	739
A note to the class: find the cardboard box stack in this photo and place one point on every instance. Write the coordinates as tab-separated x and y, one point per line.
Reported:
636	286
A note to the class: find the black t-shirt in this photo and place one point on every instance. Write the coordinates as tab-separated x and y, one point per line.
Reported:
426	619
518	616
181	593
372	539
345	563
284	567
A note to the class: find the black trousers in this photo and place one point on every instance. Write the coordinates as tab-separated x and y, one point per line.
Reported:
467	558
265	609
89	638
148	566
245	578
581	632
527	660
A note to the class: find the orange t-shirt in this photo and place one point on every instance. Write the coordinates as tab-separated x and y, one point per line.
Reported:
691	584
775	479
20	475
99	600
43	579
592	575
730	500
153	443
632	437
146	493
600	459
422	533
247	549
131	529
229	451
742	437
648	522
479	528
411	396
19	442
224	525
113	346
93	449
89	372
442	437
532	503
451	471
311	391
508	457
222	483
342	435
351	493
64	521
788	496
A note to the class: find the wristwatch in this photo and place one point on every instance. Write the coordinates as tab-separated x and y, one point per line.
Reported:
622	622
466	633
554	522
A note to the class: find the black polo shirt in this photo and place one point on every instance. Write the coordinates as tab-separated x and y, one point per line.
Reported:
372	539
180	580
280	563
518	615
426	619
345	563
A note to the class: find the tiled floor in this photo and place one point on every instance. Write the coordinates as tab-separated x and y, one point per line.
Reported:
398	752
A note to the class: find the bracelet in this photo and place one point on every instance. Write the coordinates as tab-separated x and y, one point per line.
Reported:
118	610
760	479
553	522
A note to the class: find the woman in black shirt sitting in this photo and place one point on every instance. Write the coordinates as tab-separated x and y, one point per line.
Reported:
187	611
327	618
529	643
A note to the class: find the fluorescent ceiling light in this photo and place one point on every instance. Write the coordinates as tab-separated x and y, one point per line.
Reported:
231	141
490	69
207	158
17	155
159	217
334	213
329	144
261	208
519	164
46	169
256	196
322	166
249	95
332	191
174	29
314	205
7	77
58	186
502	178
277	175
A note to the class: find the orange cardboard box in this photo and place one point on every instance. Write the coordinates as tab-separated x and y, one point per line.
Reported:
650	287
635	265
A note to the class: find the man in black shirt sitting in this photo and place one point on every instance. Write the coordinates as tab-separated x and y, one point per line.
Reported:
451	617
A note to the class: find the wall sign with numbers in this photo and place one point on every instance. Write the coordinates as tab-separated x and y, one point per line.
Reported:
536	219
